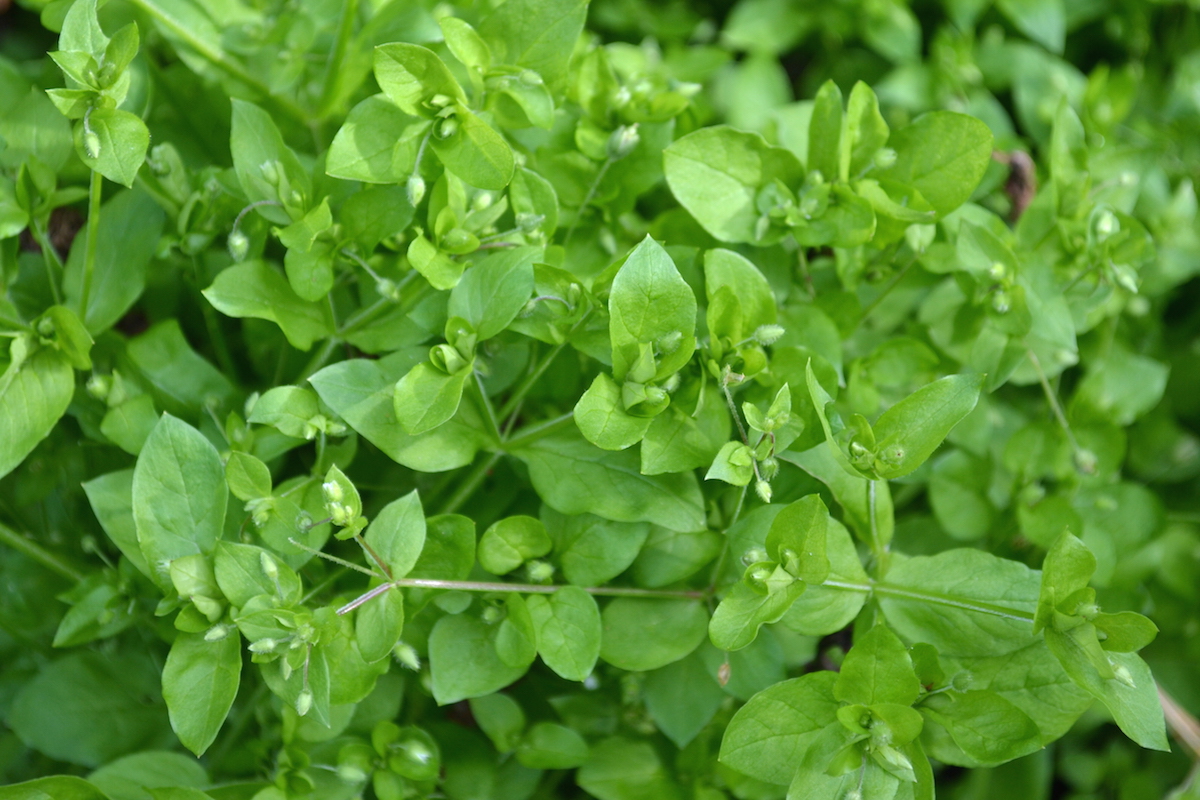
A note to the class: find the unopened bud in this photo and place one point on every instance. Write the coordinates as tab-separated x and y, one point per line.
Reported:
351	773
216	633
270	172
333	492
530	78
622	141
1001	302
1122	674
304	702
724	672
415	188
268	565
997	271
1106	225
91	144
768	334
763	490
98	386
239	245
754	555
1086	461
540	571
885	158
387	288
267	645
447	128
407	656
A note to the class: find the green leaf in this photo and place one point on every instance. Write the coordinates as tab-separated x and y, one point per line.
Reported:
573	477
866	130
465	43
103	705
111	498
1066	570
593	550
493	291
463	659
427	397
243	572
801	528
34	394
568	631
254	289
397	533
151	769
512	541
1131	696
716	173
411	75
942	156
746	608
909	432
538	34
182	381
378	625
852	493
988	728
288	409
769	734
81	30
248	477
650	303
727	269
647	633
623	769
475	152
963	602
877	669
179	495
361	391
124	139
377	143
677	441
501	718
125	244
825	132
57	787
682	698
200	680
1044	22
548	745
267	169
603	420
823	609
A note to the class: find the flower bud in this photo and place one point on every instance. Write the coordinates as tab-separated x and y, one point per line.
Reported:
885	157
1086	461
407	656
333	492
997	271
768	334
216	633
267	645
238	244
754	555
98	386
270	172
304	702
91	144
447	128
269	568
622	141
763	490
387	288
415	188
540	571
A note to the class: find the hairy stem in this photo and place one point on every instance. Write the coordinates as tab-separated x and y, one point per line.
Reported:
523	588
93	233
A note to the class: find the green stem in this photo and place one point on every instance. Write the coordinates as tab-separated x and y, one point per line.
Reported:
528	383
1052	398
486	402
95	194
54	265
527	436
337	55
35	551
319	358
471	483
933	598
587	199
523	588
219	59
15	324
879	298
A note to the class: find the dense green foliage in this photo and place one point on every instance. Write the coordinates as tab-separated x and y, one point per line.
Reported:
531	399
